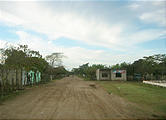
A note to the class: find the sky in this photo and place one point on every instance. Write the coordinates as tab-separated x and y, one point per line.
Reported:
89	31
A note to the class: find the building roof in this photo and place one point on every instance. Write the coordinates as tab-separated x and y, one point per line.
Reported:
105	69
114	70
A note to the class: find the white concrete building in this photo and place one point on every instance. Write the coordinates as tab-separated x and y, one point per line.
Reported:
108	74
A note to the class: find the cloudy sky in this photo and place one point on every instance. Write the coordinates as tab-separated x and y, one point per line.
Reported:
99	32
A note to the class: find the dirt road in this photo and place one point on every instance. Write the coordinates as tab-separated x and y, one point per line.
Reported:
69	98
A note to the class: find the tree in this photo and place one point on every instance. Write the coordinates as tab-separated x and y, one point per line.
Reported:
88	71
11	60
23	58
59	72
55	59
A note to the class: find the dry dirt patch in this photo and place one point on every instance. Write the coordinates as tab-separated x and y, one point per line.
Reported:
70	98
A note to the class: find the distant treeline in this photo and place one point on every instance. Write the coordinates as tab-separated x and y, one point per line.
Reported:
151	67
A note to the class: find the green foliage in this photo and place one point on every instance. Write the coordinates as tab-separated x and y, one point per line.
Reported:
59	72
22	57
88	72
155	65
35	63
11	95
55	68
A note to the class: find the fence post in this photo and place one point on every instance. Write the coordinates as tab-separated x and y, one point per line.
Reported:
1	84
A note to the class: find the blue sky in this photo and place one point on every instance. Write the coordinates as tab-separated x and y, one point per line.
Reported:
99	32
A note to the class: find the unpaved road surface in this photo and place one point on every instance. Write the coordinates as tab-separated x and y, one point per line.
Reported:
69	98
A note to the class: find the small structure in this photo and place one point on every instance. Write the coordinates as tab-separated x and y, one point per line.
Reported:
161	83
108	74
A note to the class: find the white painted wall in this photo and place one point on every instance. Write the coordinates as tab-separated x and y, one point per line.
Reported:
155	83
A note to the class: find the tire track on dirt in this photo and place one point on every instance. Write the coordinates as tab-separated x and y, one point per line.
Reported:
69	98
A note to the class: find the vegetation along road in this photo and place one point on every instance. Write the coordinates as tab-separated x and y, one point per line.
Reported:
71	98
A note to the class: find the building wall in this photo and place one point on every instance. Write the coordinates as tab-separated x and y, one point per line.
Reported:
123	75
105	78
100	72
111	74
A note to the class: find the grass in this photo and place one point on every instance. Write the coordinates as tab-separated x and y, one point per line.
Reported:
152	97
10	95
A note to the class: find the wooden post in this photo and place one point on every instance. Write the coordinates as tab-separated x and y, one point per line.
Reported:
2	85
17	86
21	80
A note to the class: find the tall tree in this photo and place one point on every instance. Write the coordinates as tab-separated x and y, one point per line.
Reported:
55	60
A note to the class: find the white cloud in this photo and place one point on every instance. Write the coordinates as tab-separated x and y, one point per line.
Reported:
158	16
159	3
67	24
2	43
145	35
134	6
77	55
70	24
150	11
10	19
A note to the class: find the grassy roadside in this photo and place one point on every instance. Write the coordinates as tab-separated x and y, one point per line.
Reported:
144	95
11	95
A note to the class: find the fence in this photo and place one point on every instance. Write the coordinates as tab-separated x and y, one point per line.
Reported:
146	77
11	80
